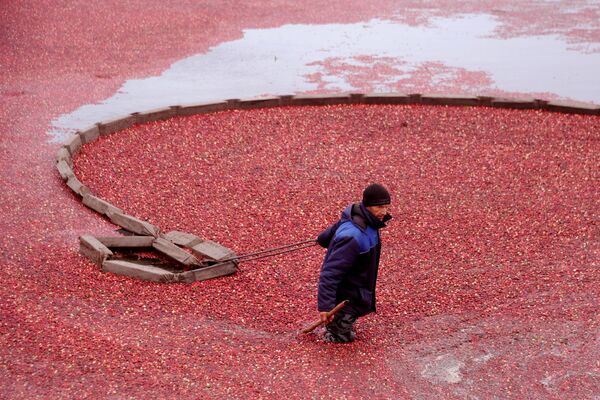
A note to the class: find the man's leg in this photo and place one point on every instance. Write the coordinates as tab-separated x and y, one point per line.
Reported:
341	329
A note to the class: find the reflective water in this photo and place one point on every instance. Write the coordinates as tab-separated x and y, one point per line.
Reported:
378	54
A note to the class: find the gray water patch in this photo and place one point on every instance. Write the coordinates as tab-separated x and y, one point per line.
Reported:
483	358
547	380
442	369
282	60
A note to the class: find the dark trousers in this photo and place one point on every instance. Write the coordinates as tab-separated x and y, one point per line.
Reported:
341	329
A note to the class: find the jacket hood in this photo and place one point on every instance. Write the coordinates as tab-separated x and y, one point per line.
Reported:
361	217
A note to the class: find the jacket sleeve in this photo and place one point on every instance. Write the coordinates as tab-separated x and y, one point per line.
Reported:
342	254
325	237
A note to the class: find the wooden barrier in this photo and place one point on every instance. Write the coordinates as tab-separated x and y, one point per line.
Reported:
175	244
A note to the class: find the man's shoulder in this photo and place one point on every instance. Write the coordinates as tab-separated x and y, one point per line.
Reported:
348	228
365	238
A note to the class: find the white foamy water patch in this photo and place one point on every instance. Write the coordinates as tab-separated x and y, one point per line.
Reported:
442	369
280	60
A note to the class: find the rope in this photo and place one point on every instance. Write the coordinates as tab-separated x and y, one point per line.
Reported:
277	253
288	248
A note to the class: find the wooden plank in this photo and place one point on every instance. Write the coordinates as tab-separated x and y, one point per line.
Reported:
357	98
139	271
232	104
114	125
211	250
214	271
90	134
202	108
92	248
63	155
320	100
134	225
389	98
573	107
514	103
485	101
174	252
126	241
64	170
73	144
259	102
156	114
182	238
79	188
449	100
286	99
99	205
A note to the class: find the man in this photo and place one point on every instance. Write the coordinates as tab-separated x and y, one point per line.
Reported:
349	270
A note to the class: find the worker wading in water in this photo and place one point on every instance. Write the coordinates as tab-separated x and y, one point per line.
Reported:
349	270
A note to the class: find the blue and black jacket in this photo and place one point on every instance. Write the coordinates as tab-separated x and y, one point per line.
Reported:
349	270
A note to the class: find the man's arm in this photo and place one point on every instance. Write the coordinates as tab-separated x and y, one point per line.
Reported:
325	237
343	252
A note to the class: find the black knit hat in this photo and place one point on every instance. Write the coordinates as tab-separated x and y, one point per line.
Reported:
376	195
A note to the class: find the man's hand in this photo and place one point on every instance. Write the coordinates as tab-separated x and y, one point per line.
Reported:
325	317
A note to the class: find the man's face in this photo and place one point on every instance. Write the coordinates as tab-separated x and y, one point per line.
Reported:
379	211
